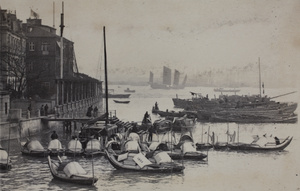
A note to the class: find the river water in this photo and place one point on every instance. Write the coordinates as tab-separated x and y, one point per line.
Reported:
225	170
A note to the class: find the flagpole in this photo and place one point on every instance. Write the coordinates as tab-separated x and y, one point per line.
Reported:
53	14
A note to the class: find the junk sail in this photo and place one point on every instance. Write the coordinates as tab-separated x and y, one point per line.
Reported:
151	78
167	76
167	80
176	78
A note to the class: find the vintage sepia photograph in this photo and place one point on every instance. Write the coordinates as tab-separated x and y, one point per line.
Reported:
149	95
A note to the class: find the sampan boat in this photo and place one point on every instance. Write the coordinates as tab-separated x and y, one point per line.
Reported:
74	148
70	172
138	162
34	148
185	149
55	148
93	148
5	161
270	146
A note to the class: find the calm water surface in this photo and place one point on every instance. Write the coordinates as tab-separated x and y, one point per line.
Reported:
223	171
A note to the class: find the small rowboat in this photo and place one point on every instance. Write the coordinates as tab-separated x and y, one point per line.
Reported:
185	149
129	90
34	148
93	148
5	161
118	101
65	172
55	148
161	162
266	147
74	148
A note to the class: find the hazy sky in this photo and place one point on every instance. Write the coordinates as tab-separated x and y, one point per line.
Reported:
190	35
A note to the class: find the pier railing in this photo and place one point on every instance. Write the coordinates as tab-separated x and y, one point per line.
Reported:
77	109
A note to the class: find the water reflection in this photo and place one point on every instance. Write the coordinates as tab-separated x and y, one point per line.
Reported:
224	170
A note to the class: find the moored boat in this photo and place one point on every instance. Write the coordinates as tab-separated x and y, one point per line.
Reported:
34	148
55	148
119	101
160	162
5	161
277	145
70	172
74	148
93	148
129	90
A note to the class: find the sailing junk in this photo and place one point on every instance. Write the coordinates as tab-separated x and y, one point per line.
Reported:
167	80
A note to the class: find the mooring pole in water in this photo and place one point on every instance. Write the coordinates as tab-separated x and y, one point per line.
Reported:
207	143
202	133
227	132
92	161
238	138
8	147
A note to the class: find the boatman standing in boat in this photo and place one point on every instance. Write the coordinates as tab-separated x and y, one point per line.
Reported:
54	135
147	118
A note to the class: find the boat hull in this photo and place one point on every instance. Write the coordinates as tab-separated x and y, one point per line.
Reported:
255	147
73	179
166	168
5	167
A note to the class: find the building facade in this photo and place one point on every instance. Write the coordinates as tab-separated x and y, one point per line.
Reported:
12	62
31	68
47	78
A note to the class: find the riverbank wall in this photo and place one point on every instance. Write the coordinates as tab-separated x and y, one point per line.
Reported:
25	128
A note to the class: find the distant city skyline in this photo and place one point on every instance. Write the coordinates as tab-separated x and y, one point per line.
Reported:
191	36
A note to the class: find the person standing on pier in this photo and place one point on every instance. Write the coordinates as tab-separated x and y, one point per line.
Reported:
89	111
95	111
29	111
42	110
46	109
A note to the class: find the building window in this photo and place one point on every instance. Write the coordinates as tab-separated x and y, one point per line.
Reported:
31	46
46	85
45	48
6	108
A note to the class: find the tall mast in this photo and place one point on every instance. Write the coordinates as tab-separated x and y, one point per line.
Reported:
105	66
259	76
61	41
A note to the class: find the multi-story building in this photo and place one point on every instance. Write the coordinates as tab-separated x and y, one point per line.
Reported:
45	76
31	68
12	62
